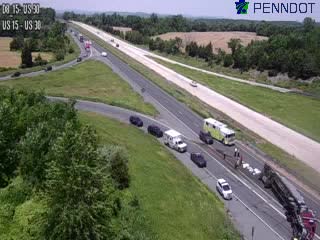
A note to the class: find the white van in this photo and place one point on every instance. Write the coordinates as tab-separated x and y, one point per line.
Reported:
104	54
173	139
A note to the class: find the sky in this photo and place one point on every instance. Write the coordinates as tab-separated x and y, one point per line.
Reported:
212	8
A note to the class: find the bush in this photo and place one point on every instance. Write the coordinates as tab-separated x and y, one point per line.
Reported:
38	61
59	55
228	60
71	50
272	73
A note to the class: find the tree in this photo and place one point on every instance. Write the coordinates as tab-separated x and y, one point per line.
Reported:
234	44
16	43
26	56
192	49
228	60
309	24
117	161
80	197
240	59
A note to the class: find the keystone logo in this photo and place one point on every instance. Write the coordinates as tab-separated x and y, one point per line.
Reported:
242	7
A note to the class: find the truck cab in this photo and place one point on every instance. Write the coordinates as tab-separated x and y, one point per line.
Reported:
173	139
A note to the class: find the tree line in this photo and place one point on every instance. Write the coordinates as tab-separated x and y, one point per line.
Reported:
60	159
155	25
292	47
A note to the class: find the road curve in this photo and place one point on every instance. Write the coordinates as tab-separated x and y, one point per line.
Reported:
302	147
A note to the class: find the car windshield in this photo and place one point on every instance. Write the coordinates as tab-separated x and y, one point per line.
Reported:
226	187
180	142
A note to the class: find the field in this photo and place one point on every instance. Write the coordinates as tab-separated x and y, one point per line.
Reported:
174	204
89	80
218	39
10	59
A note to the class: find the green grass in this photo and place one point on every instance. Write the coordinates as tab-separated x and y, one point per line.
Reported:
69	57
176	204
90	80
298	112
302	172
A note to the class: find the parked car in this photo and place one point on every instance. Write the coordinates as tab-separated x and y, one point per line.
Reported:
136	121
155	131
224	189
79	59
104	54
48	68
205	137
198	159
117	45
16	74
194	84
112	40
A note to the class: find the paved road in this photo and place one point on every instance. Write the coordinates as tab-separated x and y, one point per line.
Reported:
252	206
178	116
305	149
243	214
83	53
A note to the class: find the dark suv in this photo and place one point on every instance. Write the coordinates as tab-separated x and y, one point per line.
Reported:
16	74
205	137
198	159
136	121
155	131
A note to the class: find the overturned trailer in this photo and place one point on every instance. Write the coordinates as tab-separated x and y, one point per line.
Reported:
301	218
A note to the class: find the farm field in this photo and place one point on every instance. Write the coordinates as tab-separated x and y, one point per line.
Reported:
10	59
218	39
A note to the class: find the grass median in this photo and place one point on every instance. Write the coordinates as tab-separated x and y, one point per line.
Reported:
90	80
176	204
298	112
301	171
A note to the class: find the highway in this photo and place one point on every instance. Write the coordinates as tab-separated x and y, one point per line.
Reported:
249	192
252	206
302	147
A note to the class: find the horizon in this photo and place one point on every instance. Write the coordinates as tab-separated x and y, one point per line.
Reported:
202	8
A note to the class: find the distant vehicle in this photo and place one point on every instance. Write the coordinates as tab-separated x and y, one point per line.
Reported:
98	32
173	139
16	74
194	84
48	68
112	40
155	131
224	189
81	38
79	59
136	121
198	159
104	54
219	131
117	45
205	137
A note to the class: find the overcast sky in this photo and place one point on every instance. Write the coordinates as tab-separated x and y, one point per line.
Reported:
212	8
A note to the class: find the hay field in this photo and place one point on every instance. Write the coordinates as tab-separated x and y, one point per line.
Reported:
218	39
13	59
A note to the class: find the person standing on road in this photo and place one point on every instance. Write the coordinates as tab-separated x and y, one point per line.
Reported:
235	152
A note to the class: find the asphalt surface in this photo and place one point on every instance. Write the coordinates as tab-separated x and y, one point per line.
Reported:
74	62
249	190
252	205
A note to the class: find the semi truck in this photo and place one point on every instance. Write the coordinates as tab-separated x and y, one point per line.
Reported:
219	131
302	219
173	139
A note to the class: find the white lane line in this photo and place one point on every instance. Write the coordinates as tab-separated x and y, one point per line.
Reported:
253	212
245	184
